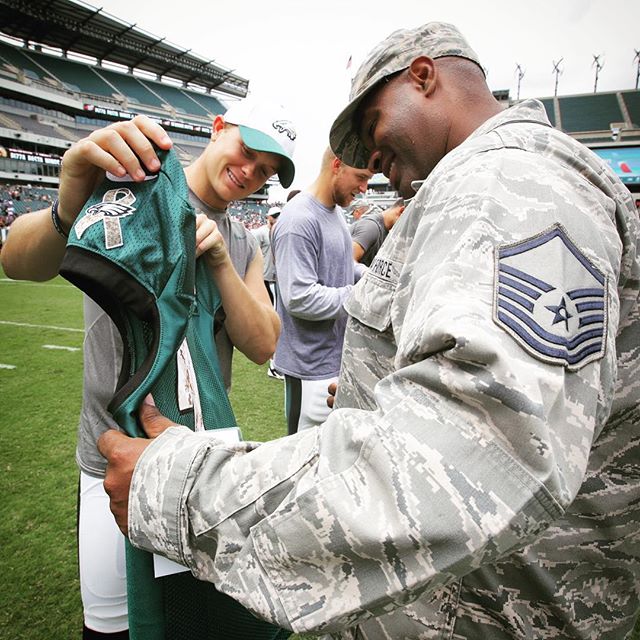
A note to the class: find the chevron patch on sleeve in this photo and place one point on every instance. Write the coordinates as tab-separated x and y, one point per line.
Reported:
551	299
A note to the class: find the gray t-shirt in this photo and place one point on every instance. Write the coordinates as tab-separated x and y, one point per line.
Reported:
103	347
263	236
315	275
369	232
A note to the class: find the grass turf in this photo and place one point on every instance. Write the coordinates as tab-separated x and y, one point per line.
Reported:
39	409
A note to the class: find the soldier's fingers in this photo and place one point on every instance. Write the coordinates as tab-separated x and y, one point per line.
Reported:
332	388
153	422
109	441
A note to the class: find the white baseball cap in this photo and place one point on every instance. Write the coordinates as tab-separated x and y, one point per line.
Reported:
266	127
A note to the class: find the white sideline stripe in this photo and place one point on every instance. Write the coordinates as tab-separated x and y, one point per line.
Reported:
7	366
40	326
60	347
34	284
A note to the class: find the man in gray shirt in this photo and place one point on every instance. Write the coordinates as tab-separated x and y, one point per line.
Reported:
315	272
369	232
263	236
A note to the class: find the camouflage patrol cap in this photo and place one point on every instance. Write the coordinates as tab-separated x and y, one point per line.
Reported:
394	53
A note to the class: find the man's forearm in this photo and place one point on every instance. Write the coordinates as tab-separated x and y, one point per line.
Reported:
253	326
34	249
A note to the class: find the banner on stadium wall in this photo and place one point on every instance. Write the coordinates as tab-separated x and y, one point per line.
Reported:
625	161
33	156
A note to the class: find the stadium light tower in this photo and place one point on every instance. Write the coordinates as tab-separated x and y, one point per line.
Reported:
598	65
558	71
520	74
636	58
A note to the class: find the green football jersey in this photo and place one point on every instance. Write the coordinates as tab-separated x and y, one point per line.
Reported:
132	249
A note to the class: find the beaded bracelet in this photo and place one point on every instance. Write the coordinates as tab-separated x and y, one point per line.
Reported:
55	218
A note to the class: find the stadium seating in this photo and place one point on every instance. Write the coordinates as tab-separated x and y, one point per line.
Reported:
90	82
190	151
25	198
32	125
209	103
593	112
176	98
130	87
549	107
22	62
73	75
632	102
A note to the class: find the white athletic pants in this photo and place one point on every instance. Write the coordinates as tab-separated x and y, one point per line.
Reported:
103	582
305	402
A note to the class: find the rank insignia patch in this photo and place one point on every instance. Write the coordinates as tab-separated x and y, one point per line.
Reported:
551	299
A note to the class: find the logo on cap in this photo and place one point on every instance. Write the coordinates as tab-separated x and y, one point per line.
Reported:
285	126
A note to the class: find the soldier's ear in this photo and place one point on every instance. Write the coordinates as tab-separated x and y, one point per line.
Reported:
422	71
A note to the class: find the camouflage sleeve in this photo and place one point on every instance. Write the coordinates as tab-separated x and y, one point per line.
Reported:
471	445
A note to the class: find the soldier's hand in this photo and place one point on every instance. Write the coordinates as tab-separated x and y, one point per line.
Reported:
152	421
117	149
122	453
332	388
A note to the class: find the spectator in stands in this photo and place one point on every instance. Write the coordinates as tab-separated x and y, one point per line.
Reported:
233	165
263	236
479	478
315	273
292	194
369	232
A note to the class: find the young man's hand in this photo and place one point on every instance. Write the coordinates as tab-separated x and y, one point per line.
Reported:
118	148
209	241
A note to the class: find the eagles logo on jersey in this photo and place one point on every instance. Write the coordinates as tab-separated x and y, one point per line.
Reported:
115	204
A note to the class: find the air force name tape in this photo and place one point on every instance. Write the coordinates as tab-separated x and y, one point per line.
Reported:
116	204
551	299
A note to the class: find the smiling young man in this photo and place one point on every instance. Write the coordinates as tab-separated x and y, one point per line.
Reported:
478	476
249	144
315	274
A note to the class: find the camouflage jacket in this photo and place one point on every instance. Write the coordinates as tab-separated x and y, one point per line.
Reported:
480	475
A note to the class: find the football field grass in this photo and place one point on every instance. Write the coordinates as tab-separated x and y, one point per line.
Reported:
41	387
40	394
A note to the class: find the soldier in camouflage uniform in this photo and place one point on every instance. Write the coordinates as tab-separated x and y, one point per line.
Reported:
479	476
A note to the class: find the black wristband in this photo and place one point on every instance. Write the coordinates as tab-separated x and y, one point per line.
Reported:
55	218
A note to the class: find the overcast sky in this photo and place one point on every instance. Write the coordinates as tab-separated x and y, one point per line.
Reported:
296	51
